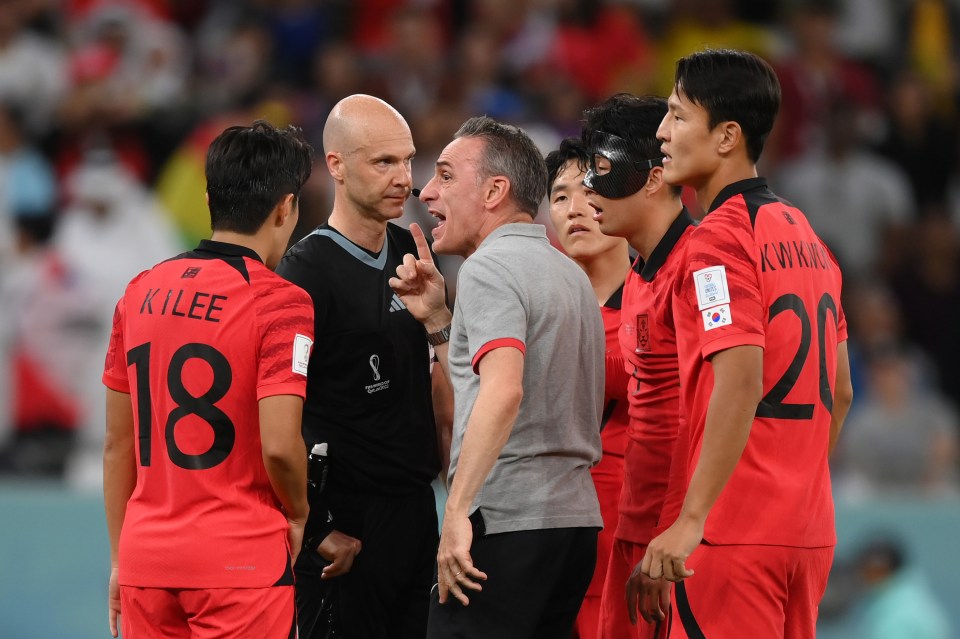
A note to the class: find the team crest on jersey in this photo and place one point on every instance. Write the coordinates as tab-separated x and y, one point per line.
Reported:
301	353
711	285
643	333
716	317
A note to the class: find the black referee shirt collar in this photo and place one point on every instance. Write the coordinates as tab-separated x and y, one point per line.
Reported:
226	249
648	270
750	184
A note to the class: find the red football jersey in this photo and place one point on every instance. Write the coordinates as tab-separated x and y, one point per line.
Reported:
613	437
197	341
608	474
757	274
649	345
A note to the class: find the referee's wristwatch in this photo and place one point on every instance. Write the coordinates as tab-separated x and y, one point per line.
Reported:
440	337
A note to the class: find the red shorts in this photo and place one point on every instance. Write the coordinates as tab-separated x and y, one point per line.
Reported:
751	591
217	613
614	619
608	480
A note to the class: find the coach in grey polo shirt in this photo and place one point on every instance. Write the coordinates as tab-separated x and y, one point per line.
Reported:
525	355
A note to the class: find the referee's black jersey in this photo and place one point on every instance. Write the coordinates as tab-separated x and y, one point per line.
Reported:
368	383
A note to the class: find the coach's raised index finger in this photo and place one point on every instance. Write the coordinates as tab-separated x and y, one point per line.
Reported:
423	249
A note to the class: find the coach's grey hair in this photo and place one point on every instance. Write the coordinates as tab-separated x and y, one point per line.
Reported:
511	153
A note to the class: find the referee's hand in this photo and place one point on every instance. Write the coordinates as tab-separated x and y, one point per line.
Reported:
340	550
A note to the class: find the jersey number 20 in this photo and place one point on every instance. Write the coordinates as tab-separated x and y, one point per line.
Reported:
772	405
203	406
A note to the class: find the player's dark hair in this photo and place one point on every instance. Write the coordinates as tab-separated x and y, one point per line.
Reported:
732	86
510	152
250	169
633	118
570	149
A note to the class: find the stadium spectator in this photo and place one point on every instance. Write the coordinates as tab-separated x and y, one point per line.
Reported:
902	437
815	77
899	602
846	186
48	337
918	139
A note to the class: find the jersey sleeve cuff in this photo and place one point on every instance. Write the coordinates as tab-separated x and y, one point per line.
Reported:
730	341
119	384
286	388
502	342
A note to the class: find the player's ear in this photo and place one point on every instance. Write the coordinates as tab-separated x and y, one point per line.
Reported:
654	180
731	135
285	209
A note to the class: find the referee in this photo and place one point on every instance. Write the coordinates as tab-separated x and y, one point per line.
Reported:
369	391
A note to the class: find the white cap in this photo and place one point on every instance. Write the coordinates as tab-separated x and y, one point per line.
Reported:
319	449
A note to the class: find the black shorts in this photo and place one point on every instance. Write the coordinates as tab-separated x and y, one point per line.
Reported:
386	593
536	580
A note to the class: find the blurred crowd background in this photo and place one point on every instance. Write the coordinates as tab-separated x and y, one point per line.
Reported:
107	108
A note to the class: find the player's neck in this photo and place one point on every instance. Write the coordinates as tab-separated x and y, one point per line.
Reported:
728	172
607	271
363	231
656	222
259	243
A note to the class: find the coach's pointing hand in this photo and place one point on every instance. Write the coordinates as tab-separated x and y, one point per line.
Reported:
420	285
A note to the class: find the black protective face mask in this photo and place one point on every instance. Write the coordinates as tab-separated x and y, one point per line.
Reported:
625	176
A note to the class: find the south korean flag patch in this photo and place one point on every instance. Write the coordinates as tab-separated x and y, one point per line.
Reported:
716	317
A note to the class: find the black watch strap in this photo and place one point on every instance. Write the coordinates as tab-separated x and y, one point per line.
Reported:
440	337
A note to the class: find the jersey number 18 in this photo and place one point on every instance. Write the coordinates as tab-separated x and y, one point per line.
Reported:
203	406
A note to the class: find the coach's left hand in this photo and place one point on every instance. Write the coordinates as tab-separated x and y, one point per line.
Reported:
455	569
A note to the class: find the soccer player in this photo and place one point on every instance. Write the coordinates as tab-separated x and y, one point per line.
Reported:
630	200
606	261
369	391
204	466
526	351
764	374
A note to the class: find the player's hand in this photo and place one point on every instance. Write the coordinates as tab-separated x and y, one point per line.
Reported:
455	569
650	596
340	550
113	600
295	537
667	554
419	284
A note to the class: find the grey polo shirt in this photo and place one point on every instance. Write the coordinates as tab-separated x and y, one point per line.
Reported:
517	290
